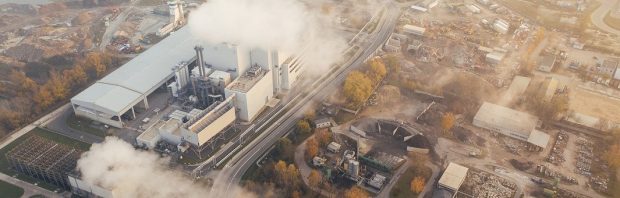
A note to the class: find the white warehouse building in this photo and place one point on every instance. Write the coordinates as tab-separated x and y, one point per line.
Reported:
512	123
167	64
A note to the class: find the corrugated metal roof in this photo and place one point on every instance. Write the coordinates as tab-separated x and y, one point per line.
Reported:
507	118
539	138
109	99
131	82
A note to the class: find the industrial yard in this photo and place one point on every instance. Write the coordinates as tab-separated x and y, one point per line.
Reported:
405	98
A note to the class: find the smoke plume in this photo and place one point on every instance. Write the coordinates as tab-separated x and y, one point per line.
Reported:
117	166
288	26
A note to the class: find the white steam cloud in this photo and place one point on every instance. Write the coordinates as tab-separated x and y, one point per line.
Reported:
283	25
117	166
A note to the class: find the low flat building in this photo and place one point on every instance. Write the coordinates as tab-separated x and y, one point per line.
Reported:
453	177
334	147
546	63
414	30
509	122
495	57
322	123
550	85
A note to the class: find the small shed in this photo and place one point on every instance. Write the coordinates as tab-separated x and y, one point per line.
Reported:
334	147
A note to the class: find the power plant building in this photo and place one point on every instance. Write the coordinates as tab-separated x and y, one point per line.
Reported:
180	63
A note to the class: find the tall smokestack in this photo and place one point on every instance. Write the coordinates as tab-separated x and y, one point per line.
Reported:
201	63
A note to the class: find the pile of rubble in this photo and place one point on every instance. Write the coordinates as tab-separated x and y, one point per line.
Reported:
483	184
556	157
584	157
569	194
599	183
514	146
547	172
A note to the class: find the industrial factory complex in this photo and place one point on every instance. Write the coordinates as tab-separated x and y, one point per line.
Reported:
216	83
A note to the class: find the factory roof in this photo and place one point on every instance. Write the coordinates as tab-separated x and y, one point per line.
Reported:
504	117
539	138
546	64
124	87
551	85
152	132
246	81
106	98
453	176
414	29
519	85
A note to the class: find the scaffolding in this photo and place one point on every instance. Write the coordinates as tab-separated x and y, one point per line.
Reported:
44	159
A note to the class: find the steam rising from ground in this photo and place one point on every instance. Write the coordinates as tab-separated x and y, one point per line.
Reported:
116	165
283	25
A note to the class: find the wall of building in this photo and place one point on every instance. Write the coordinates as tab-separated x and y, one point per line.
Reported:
500	129
85	189
250	103
226	57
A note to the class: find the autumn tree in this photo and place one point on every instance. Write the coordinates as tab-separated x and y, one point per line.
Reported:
296	194
284	149
612	156
324	137
357	87
417	184
281	171
355	192
57	86
447	122
75	76
392	64
310	114
43	98
24	84
303	126
377	70
98	62
292	179
312	148
314	179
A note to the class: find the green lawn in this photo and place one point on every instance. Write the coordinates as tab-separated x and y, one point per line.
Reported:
4	164
84	125
10	191
402	188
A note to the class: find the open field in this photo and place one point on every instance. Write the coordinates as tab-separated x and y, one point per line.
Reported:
4	164
594	104
611	21
10	191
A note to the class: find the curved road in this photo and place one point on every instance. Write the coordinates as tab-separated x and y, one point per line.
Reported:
599	14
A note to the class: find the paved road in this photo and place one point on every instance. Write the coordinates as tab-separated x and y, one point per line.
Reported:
113	25
231	174
59	125
599	14
29	189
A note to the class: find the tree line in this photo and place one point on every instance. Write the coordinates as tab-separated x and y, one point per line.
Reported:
28	99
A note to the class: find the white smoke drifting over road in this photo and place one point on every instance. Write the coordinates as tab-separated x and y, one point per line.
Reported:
283	25
116	165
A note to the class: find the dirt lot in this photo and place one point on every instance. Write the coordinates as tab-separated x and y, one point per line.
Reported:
595	104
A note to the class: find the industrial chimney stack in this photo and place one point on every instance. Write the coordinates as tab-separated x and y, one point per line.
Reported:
199	59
